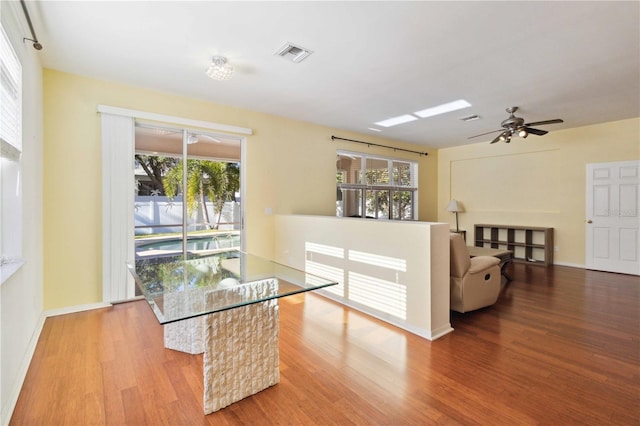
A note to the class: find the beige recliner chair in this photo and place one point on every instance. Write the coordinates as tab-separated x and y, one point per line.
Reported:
475	282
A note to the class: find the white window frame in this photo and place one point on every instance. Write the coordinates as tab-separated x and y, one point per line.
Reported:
390	187
10	159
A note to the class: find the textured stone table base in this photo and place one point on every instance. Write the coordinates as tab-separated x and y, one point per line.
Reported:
186	335
241	354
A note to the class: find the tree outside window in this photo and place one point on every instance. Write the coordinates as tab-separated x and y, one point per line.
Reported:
381	187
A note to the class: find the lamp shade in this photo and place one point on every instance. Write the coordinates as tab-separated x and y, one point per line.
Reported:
455	206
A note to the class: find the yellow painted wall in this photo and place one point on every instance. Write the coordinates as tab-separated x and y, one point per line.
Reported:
538	181
290	169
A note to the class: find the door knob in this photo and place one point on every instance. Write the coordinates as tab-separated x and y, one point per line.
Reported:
589	221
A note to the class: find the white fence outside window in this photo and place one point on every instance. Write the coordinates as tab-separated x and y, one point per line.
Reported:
151	212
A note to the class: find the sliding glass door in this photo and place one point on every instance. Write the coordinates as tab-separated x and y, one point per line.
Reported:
187	185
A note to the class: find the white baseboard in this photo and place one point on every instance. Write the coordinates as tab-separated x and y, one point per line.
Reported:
74	309
427	334
572	265
442	331
12	398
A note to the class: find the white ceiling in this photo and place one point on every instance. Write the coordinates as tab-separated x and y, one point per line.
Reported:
578	61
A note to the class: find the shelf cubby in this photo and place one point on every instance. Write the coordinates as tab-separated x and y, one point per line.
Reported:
529	244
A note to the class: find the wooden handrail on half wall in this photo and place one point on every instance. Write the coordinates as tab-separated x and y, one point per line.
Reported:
395	271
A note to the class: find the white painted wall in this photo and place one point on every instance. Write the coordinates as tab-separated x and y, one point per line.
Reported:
21	304
375	257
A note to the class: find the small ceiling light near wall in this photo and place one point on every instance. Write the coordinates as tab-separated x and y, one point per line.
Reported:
219	69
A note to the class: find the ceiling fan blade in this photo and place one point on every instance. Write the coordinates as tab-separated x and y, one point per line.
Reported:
482	134
540	123
536	131
497	139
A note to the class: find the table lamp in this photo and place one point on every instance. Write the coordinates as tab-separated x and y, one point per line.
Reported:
456	207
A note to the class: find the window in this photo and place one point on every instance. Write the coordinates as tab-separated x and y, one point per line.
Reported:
10	151
376	187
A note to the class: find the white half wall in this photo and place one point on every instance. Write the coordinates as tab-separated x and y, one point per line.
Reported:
395	271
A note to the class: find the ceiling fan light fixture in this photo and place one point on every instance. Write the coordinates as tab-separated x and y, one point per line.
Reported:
522	132
516	126
219	69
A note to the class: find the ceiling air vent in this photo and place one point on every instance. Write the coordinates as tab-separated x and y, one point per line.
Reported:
473	117
292	52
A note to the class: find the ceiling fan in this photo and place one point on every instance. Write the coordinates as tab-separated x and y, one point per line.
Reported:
516	126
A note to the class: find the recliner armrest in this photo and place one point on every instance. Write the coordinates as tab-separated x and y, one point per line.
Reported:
482	263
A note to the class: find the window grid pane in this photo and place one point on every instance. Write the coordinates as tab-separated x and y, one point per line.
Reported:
377	203
349	203
349	167
401	173
402	205
10	94
385	189
377	171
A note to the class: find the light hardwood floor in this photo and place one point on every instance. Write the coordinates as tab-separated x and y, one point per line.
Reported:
561	346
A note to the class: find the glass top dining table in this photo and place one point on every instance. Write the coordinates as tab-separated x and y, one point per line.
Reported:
178	288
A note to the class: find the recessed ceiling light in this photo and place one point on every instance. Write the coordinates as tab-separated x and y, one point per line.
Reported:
444	108
394	121
374	129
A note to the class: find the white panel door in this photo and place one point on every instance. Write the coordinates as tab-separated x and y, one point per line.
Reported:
613	220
